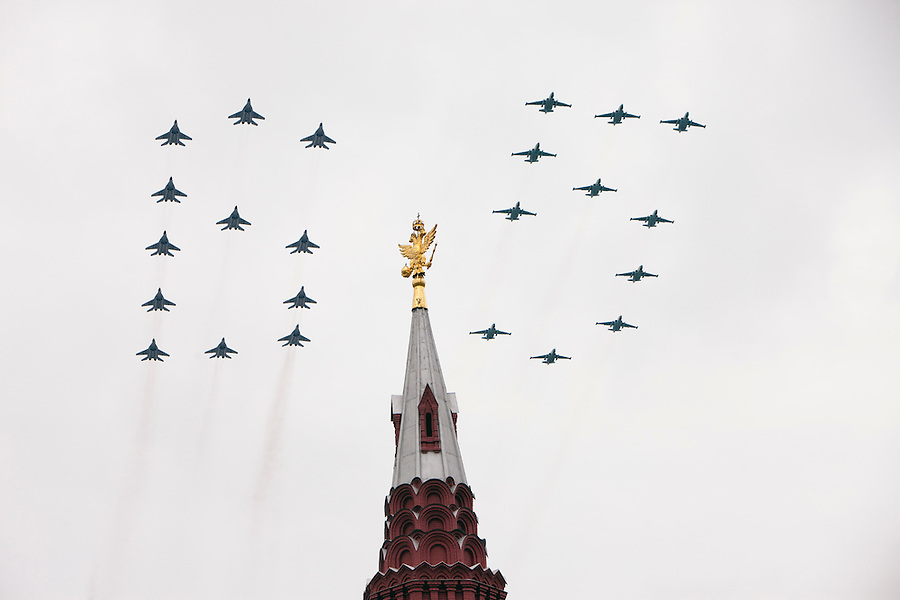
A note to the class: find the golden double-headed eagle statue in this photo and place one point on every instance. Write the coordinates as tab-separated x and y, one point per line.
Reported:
415	251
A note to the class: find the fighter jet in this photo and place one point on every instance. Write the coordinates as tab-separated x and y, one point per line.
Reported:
301	300
617	115
617	324
683	123
534	154
233	221
174	136
489	333
512	214
293	338
169	193
246	115
163	246
551	357
152	352
634	276
302	245
547	104
158	302
651	220
221	351
594	189
318	139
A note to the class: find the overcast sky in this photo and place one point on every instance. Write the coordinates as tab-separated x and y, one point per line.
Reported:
743	443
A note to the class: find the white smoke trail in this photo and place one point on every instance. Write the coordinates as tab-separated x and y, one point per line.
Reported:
107	580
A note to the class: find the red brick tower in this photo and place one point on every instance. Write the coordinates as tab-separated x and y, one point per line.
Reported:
431	547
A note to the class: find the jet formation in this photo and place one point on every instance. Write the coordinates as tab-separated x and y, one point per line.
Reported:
617	325
617	115
302	245
548	104
489	333
300	300
512	214
221	351
246	115
152	352
293	338
174	136
683	123
636	275
651	220
551	357
169	193
233	221
158	302
534	154
318	139
163	247
594	189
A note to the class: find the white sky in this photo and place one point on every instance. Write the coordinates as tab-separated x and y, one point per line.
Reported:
743	443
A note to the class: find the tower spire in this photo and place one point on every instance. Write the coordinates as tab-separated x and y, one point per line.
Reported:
431	548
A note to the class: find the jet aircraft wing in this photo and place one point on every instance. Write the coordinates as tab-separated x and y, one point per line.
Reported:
693	124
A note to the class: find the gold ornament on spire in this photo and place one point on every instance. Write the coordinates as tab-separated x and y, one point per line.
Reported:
415	250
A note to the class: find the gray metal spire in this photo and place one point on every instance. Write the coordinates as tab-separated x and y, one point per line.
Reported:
425	449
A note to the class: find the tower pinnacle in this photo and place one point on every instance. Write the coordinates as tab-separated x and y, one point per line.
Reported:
419	243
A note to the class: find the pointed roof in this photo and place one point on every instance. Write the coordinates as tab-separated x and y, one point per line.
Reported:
423	369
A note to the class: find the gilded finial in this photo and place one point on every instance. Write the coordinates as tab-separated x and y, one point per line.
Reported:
419	242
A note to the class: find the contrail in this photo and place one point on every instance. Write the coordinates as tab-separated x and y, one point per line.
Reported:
209	414
131	491
274	431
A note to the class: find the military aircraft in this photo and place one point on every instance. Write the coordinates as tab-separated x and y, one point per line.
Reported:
534	154
651	220
634	276
152	352
233	221
617	324
318	139
301	300
246	115
302	245
547	104
174	136
163	246
158	302
293	338
551	357
221	351
512	214
169	193
594	189
617	115
489	333
683	123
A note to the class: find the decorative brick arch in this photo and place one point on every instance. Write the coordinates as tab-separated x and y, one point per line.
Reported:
463	496
439	547
402	523
436	516
473	551
434	491
467	521
401	551
402	497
